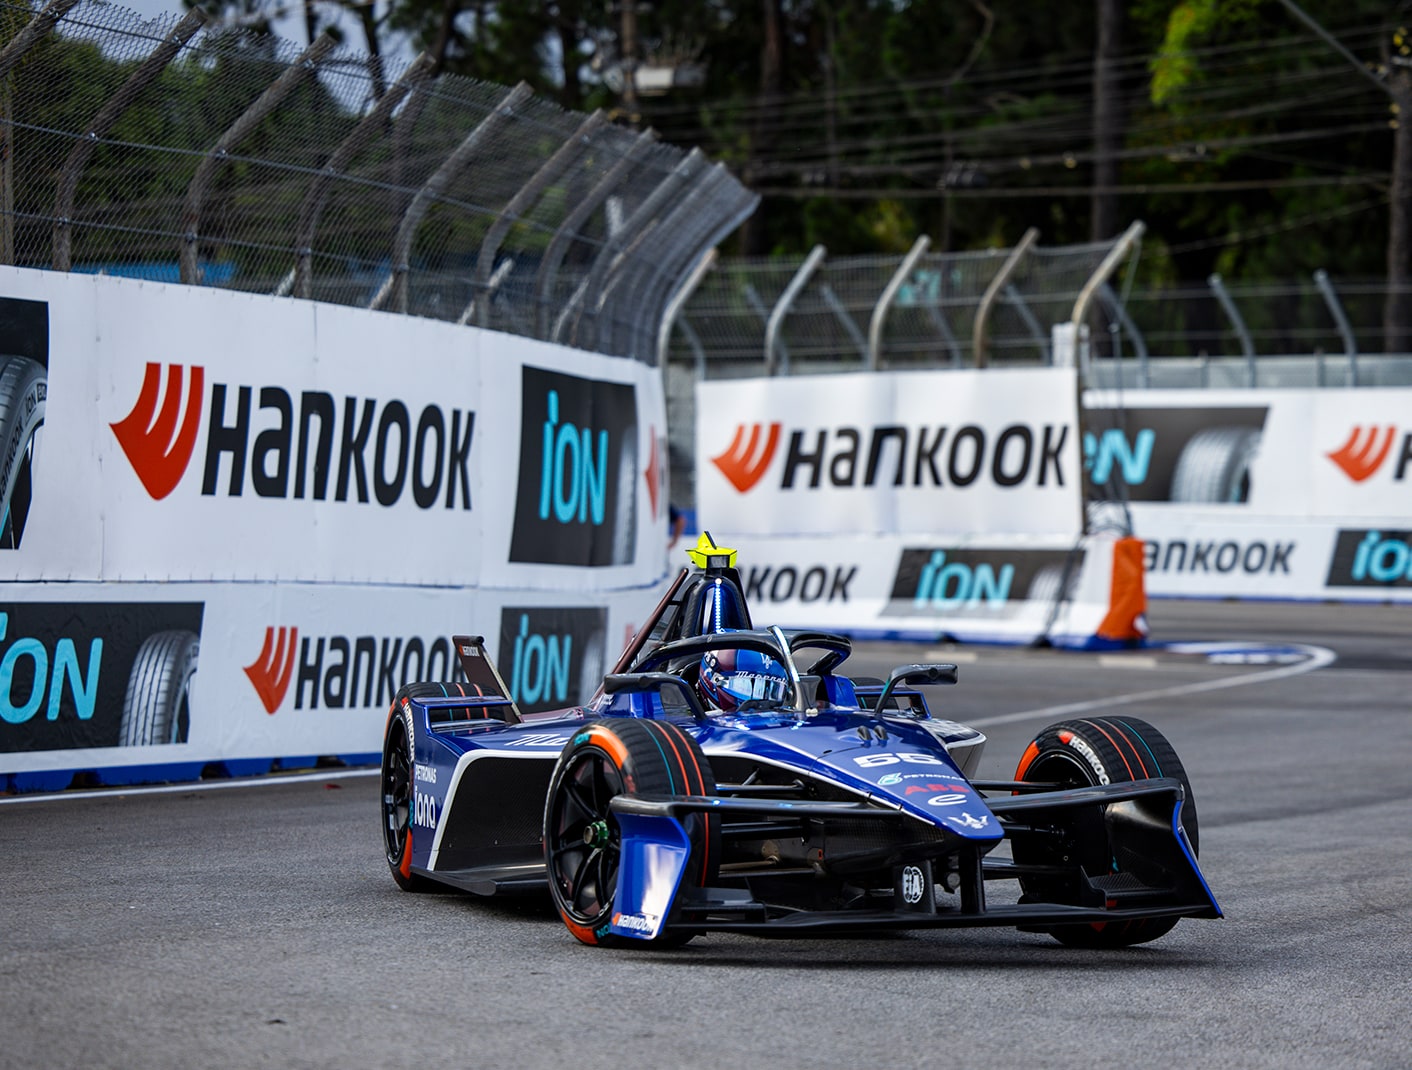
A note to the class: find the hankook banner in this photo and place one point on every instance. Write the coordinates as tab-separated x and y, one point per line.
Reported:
935	453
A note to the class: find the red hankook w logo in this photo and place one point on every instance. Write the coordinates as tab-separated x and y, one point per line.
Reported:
272	669
743	463
1361	456
157	446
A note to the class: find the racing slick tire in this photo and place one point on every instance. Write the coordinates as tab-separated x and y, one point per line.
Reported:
24	389
157	704
1086	753
581	837
397	805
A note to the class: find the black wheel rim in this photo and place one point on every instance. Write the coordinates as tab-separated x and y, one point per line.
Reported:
396	793
583	837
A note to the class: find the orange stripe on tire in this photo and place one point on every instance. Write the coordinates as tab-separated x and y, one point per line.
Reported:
1117	748
1027	759
609	742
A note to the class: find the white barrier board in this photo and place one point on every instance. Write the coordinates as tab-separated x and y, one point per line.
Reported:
1262	493
939	453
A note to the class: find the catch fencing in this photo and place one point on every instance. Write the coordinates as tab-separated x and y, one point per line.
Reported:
176	150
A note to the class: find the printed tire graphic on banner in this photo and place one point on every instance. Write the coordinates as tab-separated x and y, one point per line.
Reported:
1215	466
576	501
81	675
1189	455
24	388
157	708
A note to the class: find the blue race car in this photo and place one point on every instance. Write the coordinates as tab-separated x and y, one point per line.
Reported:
727	778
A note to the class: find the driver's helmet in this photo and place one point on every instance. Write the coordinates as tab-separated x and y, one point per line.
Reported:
731	677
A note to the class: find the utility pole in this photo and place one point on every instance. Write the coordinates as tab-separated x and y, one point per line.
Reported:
628	62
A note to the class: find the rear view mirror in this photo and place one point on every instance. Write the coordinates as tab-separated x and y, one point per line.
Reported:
915	676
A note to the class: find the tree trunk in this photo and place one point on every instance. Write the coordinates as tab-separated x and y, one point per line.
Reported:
1397	308
1107	121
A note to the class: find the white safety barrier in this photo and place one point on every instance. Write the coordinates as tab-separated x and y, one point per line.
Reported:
930	504
233	525
946	453
1263	493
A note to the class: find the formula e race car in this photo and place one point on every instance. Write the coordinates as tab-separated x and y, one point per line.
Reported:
727	778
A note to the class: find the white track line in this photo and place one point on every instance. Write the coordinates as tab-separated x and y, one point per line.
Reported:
1318	658
196	785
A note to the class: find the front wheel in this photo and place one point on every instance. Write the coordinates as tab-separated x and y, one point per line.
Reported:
397	805
1086	753
582	842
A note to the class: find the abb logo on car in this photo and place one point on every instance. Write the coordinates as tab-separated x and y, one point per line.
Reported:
1366	449
744	462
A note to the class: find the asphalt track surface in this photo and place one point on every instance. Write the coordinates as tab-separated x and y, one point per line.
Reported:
257	926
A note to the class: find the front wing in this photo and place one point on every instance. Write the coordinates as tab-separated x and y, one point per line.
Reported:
1142	821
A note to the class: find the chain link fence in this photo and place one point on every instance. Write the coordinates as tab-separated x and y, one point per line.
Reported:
176	150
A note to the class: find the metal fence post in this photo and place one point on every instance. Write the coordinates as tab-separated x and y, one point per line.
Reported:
558	245
1120	313
1247	346
875	324
678	299
108	114
992	291
501	113
781	309
361	134
304	67
549	172
1127	241
586	297
1350	343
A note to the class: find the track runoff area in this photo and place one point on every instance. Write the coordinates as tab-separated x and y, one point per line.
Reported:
255	921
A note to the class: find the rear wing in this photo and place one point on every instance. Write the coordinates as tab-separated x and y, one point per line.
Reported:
481	673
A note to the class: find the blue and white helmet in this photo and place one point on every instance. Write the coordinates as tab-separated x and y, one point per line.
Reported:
732	677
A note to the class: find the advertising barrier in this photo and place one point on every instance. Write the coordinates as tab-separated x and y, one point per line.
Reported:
234	525
1262	493
944	453
995	589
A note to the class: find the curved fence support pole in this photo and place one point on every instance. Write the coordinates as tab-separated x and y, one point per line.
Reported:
112	110
558	245
631	293
589	294
549	172
1002	278
34	31
1350	343
702	268
317	195
306	66
889	294
435	186
1247	346
1126	242
782	306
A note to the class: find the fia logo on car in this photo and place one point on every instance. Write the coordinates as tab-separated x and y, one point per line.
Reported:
912	885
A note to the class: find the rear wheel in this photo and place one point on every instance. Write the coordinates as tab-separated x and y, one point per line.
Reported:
582	842
1086	753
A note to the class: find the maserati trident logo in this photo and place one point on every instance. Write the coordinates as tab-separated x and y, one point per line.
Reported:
271	671
1362	455
158	444
744	463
